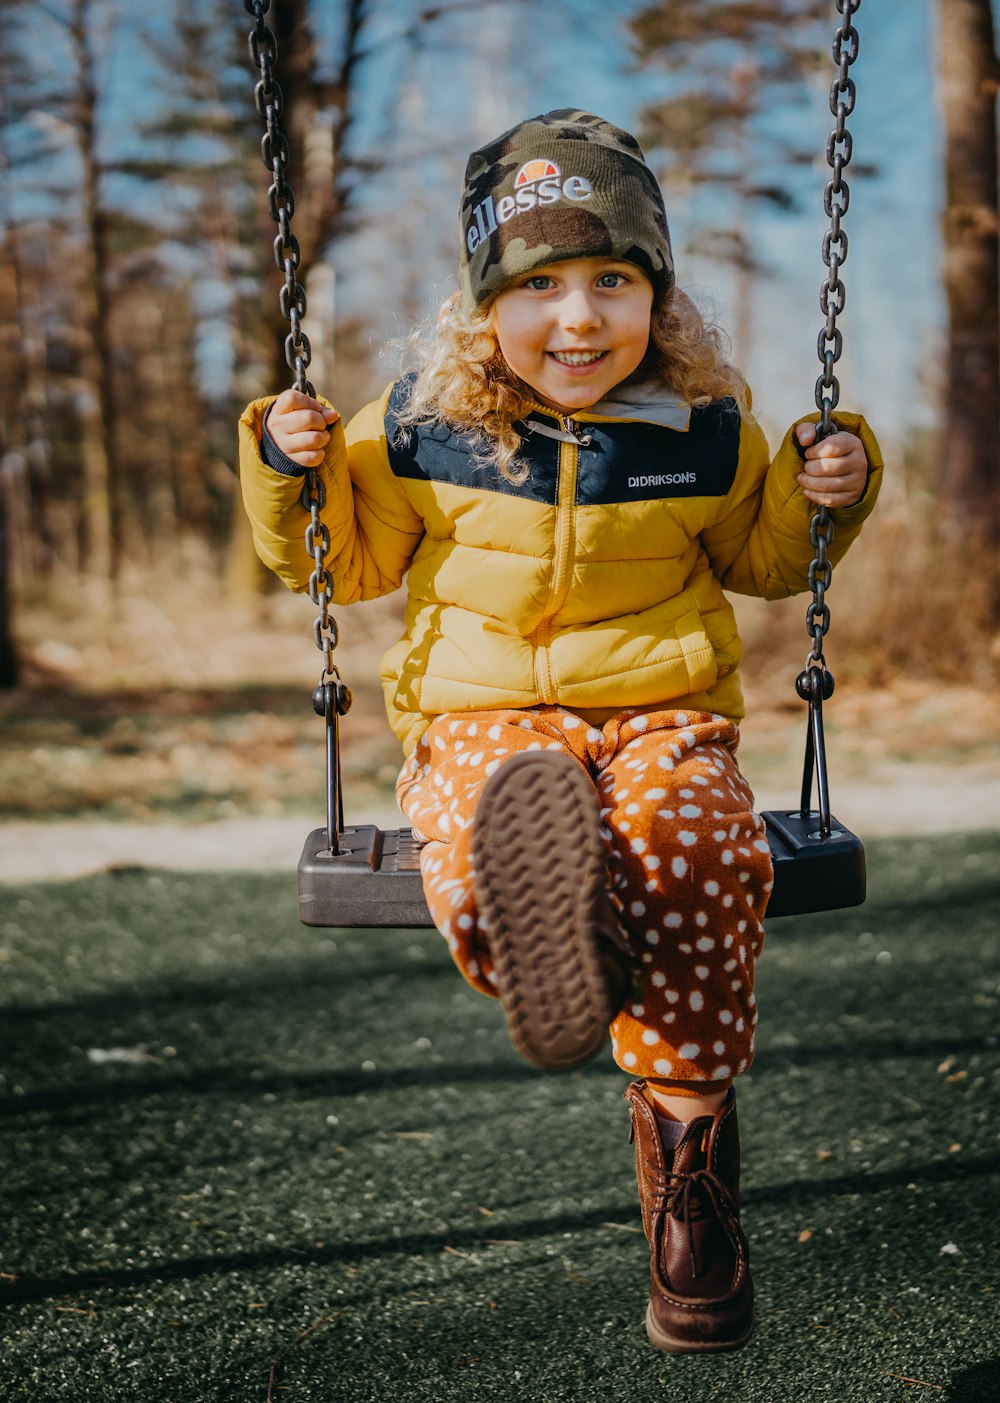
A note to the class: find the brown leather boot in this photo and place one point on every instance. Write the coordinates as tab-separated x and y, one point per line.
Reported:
563	963
701	1294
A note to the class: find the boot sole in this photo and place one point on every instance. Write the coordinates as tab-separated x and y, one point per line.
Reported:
674	1344
539	880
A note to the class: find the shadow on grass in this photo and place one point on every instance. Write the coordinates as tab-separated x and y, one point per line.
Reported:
229	1081
980	1383
317	980
16	1289
149	1186
337	1082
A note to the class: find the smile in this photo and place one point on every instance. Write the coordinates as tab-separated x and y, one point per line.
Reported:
577	357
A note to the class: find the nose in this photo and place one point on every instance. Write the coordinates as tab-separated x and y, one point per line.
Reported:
579	311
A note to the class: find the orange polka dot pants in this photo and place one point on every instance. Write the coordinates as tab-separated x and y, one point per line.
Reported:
689	870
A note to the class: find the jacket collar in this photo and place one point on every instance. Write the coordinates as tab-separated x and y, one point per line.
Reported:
644	403
649	403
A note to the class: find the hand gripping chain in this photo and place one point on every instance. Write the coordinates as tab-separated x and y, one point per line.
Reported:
332	697
815	684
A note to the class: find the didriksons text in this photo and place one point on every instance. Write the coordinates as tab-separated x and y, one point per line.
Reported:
662	480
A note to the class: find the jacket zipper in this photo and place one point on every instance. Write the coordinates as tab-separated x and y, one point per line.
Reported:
565	537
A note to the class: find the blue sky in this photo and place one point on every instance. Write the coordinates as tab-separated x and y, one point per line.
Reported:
476	72
895	312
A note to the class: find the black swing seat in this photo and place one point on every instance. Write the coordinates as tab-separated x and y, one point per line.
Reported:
374	880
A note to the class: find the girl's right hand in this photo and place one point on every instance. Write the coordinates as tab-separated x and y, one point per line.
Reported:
300	426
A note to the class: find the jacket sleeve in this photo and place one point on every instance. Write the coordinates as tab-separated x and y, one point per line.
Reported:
373	527
759	544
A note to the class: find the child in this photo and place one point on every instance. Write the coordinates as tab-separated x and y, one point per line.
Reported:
569	484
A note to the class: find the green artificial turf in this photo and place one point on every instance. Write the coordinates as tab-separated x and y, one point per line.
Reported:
227	1136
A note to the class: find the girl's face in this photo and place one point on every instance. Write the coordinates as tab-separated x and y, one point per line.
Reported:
576	329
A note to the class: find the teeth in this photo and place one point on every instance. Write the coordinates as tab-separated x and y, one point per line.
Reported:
576	357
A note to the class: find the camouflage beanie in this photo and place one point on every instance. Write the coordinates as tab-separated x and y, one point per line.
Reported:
562	185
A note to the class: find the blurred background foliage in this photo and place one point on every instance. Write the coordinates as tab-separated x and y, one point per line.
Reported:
138	293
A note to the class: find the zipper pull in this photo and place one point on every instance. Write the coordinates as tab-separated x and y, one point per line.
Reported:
572	427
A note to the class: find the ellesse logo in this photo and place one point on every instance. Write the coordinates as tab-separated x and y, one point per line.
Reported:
536	170
538	182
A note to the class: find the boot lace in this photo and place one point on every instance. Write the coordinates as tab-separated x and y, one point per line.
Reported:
690	1198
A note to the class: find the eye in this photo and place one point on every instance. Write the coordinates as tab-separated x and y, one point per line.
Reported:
539	283
612	280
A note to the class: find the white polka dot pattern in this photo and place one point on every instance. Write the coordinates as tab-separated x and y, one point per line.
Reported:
689	869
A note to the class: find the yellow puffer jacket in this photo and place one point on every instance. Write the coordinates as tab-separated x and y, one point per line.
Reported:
597	584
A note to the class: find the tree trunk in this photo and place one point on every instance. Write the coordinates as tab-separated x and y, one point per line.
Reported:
745	86
11	362
970	476
97	429
246	577
8	650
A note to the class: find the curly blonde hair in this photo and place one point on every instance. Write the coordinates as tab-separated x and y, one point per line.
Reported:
463	380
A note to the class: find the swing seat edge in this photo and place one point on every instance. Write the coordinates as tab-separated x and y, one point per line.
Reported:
374	881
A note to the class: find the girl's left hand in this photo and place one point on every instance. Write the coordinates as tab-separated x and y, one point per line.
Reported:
836	469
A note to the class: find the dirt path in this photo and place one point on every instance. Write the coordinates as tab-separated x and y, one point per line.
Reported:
194	747
903	799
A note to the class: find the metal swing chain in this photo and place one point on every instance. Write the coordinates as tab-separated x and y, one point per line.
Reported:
815	684
332	696
832	298
292	300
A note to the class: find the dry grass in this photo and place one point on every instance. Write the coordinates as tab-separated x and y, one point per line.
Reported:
907	602
185	704
179	701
